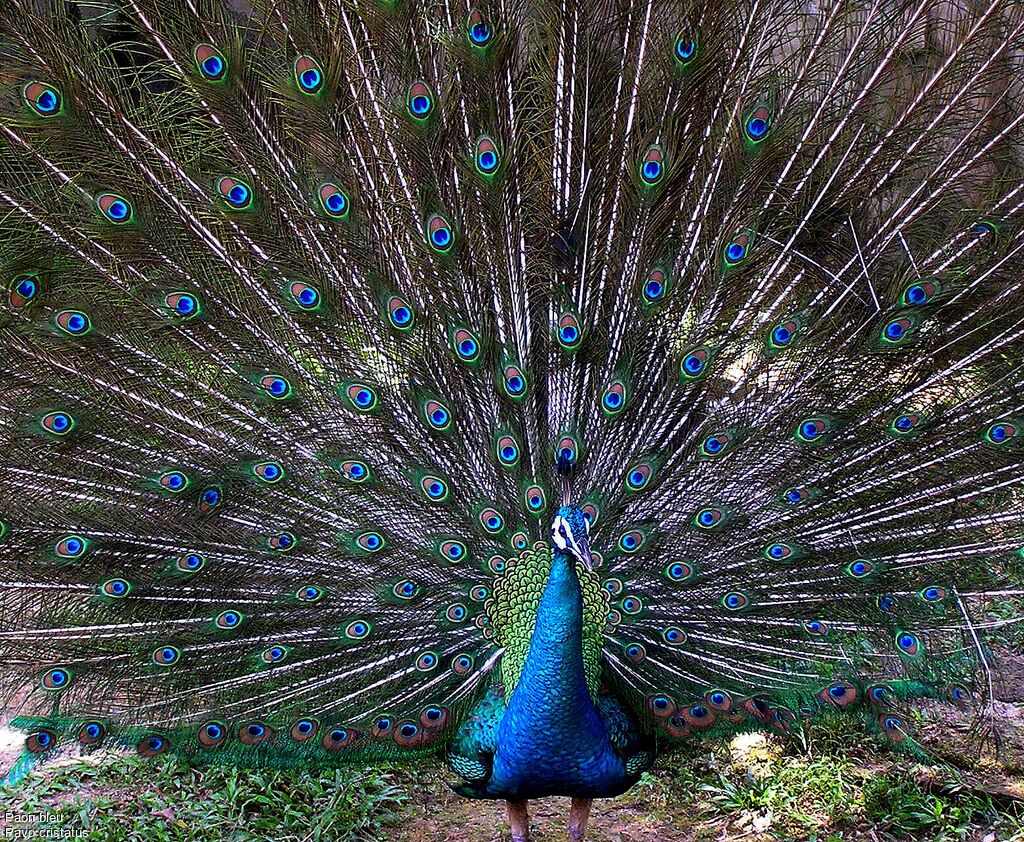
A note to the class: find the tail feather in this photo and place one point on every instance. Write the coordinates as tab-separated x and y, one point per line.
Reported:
314	316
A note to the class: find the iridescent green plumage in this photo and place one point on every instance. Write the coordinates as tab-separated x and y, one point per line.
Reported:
513	613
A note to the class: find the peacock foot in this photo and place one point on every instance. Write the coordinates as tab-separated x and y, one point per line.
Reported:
518	820
578	815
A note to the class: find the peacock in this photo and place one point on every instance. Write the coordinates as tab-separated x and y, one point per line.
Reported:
542	385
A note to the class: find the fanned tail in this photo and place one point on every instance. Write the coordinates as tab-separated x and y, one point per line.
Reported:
314	315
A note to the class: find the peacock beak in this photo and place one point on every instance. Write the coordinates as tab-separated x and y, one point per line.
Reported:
581	550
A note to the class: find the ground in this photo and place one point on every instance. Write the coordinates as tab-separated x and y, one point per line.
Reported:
835	782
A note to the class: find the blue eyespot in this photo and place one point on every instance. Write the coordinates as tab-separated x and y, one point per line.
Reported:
757	126
453	550
908	643
629	541
73	322
678	571
887	603
673	636
712	444
357	630
43	98
238	195
282	541
568	331
693	364
812	429
210	62
268	471
734	601
212	67
653	290
23	290
491	521
228	619
115	208
71	546
186	305
235	192
1001	432
479	32
897	330
58	423
860	568
782	335
166	655
56	679
115	588
191	563
310	79
708	518
686	49
651	171
310	593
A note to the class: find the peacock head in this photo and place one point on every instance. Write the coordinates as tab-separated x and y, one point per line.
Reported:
570	533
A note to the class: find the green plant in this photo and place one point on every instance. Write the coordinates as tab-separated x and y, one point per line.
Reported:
898	803
186	804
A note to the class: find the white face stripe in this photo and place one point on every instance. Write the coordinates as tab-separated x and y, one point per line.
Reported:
561	534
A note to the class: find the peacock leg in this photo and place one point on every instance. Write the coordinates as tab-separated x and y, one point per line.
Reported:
578	815
519	820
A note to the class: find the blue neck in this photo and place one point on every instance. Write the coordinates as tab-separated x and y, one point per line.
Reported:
551	740
554	664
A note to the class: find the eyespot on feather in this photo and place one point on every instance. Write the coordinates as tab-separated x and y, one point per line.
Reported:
309	75
210	62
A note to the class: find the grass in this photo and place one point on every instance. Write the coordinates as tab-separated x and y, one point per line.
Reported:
838	785
122	798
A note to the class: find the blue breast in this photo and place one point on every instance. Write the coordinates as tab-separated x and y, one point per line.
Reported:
551	740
